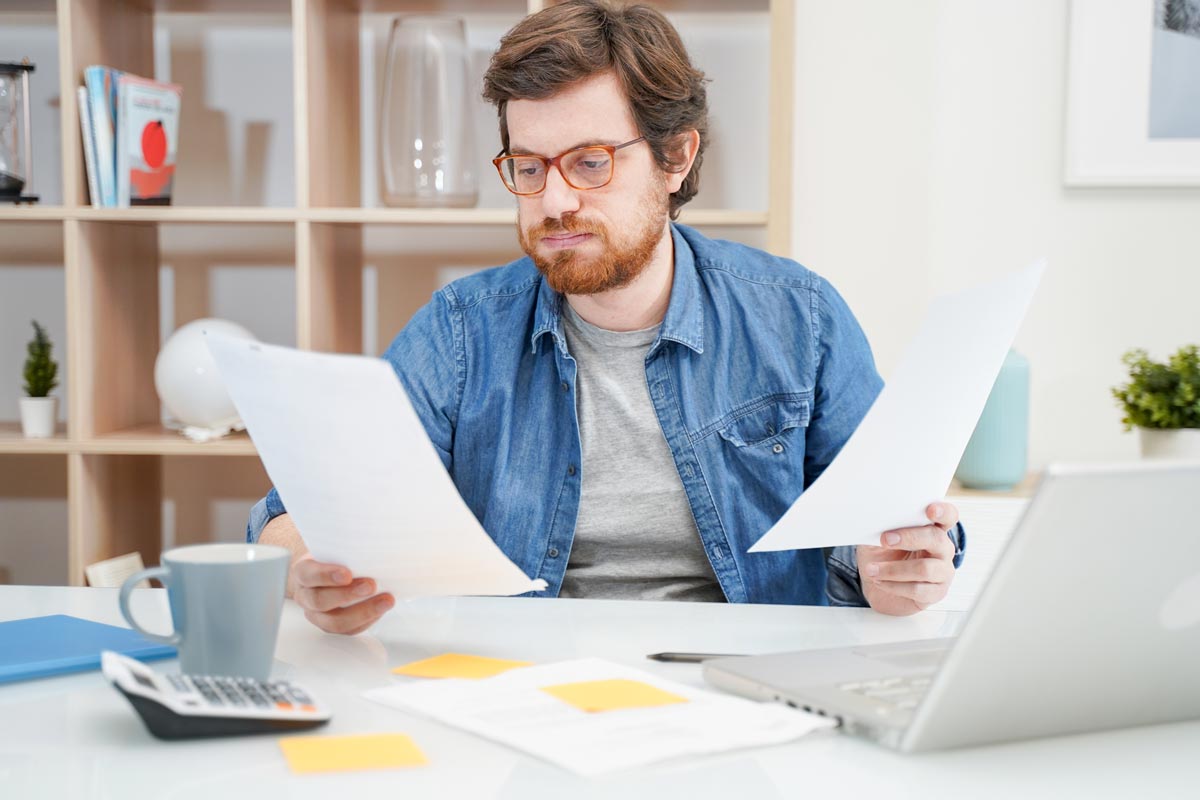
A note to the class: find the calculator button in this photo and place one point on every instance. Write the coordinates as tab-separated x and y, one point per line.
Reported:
310	709
284	706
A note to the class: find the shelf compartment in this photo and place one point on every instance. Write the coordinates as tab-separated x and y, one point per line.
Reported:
236	148
209	500
116	509
33	519
28	30
32	285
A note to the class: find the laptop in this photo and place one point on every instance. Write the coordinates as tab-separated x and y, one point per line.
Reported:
1090	620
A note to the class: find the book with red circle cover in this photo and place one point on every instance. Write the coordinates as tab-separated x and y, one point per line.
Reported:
147	140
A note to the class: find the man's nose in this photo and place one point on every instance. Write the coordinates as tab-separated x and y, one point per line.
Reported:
558	198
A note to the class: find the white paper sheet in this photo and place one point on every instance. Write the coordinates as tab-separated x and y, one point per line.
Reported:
990	522
511	709
357	472
905	451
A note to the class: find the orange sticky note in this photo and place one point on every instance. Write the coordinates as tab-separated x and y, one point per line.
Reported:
343	753
457	665
612	695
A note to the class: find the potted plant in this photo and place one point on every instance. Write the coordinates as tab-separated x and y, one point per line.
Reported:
39	410
1163	402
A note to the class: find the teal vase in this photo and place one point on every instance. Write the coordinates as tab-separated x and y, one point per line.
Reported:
997	455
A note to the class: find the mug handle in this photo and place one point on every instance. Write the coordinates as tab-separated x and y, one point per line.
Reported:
162	573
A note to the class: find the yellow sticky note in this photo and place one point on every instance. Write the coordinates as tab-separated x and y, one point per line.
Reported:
457	665
344	753
612	695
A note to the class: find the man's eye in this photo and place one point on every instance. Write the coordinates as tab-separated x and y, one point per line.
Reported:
528	171
594	164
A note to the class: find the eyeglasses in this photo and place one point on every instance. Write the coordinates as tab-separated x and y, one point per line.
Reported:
583	168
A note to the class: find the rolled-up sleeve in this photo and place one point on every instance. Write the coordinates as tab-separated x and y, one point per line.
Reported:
263	512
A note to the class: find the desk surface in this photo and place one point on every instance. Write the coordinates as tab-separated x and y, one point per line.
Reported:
74	736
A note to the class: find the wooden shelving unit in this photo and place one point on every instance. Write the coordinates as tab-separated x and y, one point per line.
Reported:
113	443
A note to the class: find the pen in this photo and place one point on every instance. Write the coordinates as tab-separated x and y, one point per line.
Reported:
688	658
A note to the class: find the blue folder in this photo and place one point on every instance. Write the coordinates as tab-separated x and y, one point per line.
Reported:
54	645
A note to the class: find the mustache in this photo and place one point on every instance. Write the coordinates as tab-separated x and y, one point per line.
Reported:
567	224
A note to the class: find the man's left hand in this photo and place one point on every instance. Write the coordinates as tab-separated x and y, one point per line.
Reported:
913	567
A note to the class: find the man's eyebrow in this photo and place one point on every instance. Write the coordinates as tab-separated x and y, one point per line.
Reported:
517	150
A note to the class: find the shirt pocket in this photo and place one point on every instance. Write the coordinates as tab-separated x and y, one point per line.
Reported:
767	420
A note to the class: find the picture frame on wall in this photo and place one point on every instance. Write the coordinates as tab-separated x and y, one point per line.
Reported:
1133	93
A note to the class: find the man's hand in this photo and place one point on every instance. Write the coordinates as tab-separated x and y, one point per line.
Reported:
913	568
333	599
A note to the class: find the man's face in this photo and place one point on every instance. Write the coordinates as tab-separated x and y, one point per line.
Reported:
594	240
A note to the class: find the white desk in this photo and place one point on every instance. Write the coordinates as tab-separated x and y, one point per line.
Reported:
75	737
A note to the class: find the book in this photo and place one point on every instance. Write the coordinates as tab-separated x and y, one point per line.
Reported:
101	83
89	145
55	645
147	138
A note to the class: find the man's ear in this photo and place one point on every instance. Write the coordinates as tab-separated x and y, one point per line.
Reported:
683	154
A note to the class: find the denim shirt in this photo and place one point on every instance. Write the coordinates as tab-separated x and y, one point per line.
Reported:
758	376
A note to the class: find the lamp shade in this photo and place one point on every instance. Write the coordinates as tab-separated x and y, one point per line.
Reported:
187	379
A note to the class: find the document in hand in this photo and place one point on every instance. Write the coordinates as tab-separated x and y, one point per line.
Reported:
357	472
568	714
905	450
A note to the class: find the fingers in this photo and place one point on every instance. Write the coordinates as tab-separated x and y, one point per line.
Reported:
328	598
931	538
334	600
309	573
353	619
922	594
944	515
911	570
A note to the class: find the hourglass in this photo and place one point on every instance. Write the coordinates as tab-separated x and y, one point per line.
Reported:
15	156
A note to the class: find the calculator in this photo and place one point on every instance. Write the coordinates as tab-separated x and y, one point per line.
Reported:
192	706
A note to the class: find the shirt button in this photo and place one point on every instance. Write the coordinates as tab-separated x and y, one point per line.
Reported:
565	387
571	469
777	449
552	552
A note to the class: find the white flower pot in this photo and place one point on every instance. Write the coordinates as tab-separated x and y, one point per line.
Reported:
1170	443
38	416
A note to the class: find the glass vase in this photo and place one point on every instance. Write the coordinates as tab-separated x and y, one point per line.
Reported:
427	149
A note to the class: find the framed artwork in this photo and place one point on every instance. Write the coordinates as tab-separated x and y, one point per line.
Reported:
1133	93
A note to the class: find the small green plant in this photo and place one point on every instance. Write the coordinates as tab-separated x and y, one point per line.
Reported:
40	368
1161	395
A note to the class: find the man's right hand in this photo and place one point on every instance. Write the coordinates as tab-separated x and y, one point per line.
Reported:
333	599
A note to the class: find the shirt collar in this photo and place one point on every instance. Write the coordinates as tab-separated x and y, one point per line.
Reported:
684	320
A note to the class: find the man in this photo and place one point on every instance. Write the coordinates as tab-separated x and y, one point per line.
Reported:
630	407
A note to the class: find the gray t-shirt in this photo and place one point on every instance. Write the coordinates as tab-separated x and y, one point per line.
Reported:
635	538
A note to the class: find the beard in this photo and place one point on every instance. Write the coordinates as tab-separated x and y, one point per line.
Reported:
619	262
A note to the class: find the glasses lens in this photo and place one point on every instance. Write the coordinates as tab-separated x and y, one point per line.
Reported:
588	168
524	174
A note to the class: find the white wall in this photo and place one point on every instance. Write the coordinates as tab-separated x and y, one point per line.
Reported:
929	157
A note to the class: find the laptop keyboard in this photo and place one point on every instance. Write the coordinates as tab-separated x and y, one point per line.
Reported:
889	695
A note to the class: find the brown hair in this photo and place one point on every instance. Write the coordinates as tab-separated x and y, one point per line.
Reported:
548	51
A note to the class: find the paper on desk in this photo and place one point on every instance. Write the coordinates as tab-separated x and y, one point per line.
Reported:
513	709
905	450
357	472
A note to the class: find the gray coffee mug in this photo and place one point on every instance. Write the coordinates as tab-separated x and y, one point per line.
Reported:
226	600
